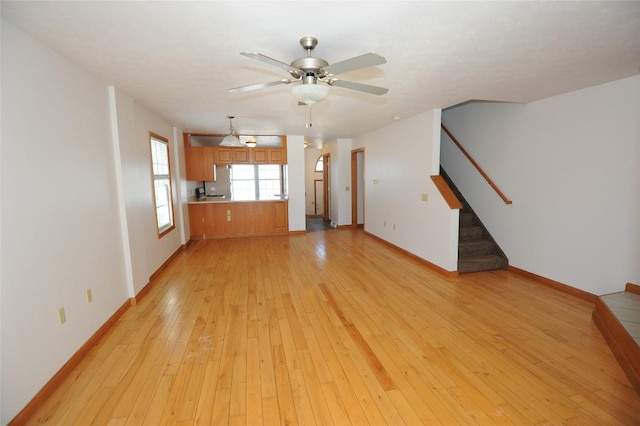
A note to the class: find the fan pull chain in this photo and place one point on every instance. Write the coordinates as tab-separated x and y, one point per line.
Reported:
309	124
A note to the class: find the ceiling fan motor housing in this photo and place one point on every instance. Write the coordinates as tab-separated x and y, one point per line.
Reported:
309	65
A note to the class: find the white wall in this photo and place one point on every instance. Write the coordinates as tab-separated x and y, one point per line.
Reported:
571	165
399	158
60	226
339	181
147	252
181	194
77	210
311	156
295	170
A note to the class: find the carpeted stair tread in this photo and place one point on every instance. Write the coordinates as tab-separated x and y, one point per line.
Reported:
475	248
470	232
486	262
466	218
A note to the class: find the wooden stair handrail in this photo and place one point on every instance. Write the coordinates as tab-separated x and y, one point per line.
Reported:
476	165
446	192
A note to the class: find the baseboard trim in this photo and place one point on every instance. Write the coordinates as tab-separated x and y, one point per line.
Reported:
632	288
38	400
138	297
166	262
585	295
448	274
301	232
43	394
622	345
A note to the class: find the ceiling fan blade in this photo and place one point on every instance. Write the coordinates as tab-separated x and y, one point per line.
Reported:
271	61
367	88
257	86
362	61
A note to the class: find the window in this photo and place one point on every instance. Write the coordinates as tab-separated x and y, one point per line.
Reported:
257	181
161	183
319	164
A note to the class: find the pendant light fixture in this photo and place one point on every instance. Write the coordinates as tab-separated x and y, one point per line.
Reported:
231	139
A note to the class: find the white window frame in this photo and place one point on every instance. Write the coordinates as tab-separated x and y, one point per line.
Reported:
256	179
161	184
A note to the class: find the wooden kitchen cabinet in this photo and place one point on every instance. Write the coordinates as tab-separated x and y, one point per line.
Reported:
268	156
238	219
223	156
240	156
277	156
201	221
259	156
281	215
199	163
231	155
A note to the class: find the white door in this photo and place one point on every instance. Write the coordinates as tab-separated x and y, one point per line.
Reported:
318	197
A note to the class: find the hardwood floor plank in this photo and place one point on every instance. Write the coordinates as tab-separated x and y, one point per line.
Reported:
339	328
286	401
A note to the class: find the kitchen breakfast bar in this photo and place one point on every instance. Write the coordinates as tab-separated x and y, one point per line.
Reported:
226	218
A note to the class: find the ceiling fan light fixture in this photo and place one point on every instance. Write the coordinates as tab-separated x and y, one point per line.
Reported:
231	139
309	94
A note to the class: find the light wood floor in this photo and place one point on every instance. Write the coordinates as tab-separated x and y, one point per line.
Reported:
337	328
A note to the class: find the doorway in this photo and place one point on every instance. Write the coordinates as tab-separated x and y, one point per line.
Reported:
357	188
318	197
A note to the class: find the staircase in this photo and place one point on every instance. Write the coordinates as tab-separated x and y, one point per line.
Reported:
477	250
617	315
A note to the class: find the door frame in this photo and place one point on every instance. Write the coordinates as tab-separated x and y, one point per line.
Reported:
326	164
354	187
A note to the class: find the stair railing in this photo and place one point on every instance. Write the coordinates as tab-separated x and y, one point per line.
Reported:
476	165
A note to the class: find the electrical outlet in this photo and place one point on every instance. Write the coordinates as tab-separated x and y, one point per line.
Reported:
394	226
62	317
346	188
385	223
89	296
425	197
376	181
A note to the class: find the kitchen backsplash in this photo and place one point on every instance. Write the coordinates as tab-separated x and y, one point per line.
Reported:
221	186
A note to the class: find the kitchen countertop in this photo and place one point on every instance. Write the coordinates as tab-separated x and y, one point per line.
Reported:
192	200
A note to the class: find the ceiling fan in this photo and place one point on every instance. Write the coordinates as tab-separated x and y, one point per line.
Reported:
313	76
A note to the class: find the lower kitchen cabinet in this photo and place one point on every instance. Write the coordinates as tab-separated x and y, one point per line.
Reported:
237	219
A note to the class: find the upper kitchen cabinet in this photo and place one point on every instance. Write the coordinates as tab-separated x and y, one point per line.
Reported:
203	151
268	155
200	162
232	155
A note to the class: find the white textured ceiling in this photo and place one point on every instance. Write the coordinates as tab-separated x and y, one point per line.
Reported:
179	58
